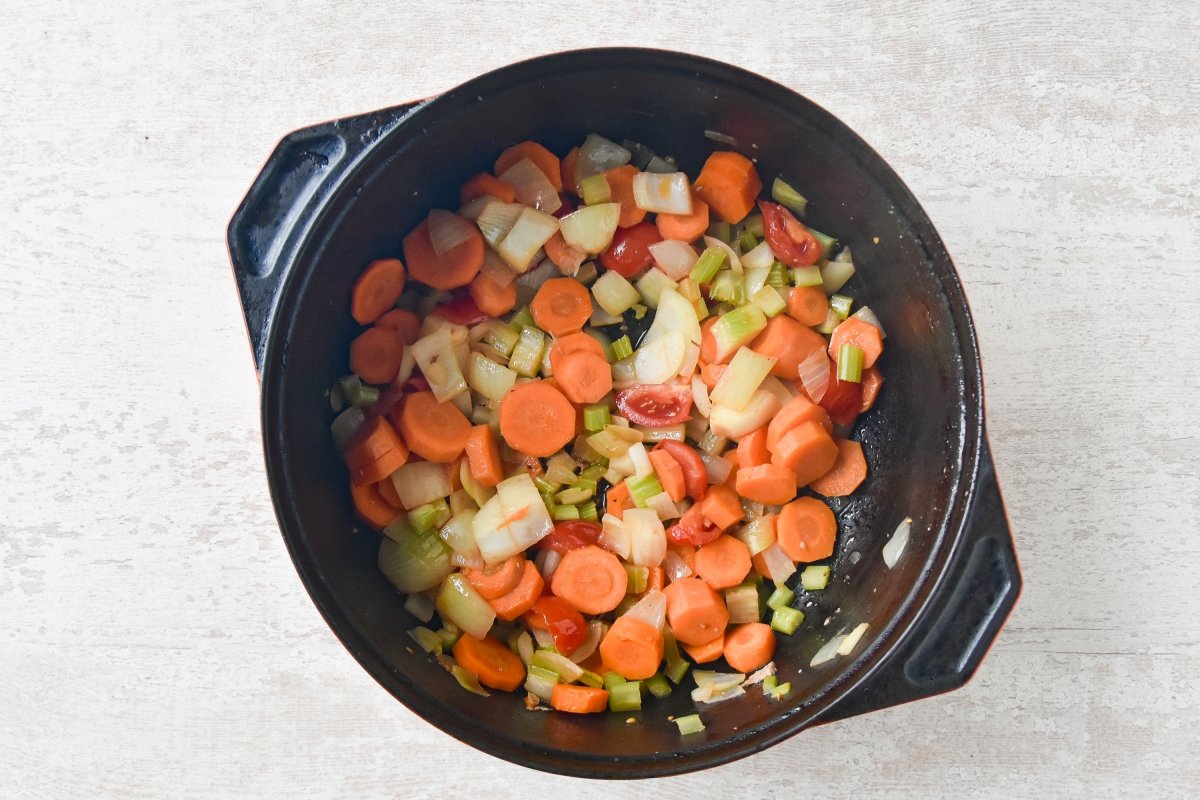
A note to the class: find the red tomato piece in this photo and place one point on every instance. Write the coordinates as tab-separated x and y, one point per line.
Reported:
629	252
695	476
843	399
693	529
571	535
560	618
656	405
461	310
789	240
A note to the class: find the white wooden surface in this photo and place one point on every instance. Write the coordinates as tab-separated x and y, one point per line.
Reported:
154	638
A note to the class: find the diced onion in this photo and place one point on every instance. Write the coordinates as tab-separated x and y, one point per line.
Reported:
436	356
651	609
421	482
532	186
814	374
718	468
596	631
420	605
544	641
783	391
496	269
640	458
460	536
534	278
414	562
758	258
547	561
647	538
779	567
662	359
866	315
674	257
847	646
835	274
741	379
598	154
700	397
447	230
614	536
674	566
735	261
761	673
613	293
734	424
895	545
524	241
496	219
591	228
664	506
827	651
668	193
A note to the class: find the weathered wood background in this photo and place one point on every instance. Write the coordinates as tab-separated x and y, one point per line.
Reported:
154	638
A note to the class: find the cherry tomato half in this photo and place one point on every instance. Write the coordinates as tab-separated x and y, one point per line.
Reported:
695	476
693	529
789	240
461	310
656	405
629	252
570	535
843	399
560	618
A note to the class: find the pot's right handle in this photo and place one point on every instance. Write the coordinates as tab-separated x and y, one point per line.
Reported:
280	207
966	615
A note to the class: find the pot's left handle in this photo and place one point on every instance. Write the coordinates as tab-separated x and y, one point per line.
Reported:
271	220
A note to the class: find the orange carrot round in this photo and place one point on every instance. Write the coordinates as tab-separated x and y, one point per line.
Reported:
584	377
404	322
511	606
685	227
494	664
578	699
376	290
670	474
789	343
617	499
798	409
483	456
807	305
371	506
708	342
806	530
542	158
536	419
454	268
567	171
572	343
862	335
769	484
872	382
704	653
721	506
591	579
846	474
434	431
561	306
710	374
752	449
749	646
496	580
490	297
632	648
566	257
374	452
729	183
620	184
723	562
375	355
485	184
695	612
807	450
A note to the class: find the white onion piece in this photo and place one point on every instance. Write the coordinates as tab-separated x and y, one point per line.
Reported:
691	358
711	694
866	315
735	261
758	258
421	482
598	154
675	567
524	241
660	360
475	207
591	228
664	506
596	631
547	561
783	391
614	536
447	230
647	537
640	458
779	567
814	374
674	257
827	651
668	193
718	468
651	609
895	545
532	186
470	562
496	219
835	274
534	278
420	605
847	646
700	397
544	639
496	269
761	673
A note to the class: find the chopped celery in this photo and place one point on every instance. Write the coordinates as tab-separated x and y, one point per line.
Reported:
786	619
840	304
349	384
754	224
638	577
365	396
705	268
503	338
742	602
468	680
677	666
413	561
560	469
831	321
721	230
769	683
521	319
736	328
426	639
747	240
527	355
728	287
783	193
566	669
458	602
814	578
807	276
625	697
768	299
612	680
589	678
345	425
594	189
560	513
592	472
589	512
778	276
337	400
746	372
489	379
782	597
642	488
651	286
639	311
540	682
597	417
689	724
850	363
781	691
575	495
622	348
628	602
544	484
758	534
658	685
449	634
826	241
614	294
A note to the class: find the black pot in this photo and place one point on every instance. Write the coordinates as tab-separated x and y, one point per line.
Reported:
335	196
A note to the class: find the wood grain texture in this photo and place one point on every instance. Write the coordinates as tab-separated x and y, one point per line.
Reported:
154	638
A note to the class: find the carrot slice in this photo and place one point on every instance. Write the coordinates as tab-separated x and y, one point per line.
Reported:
656	579
789	343
723	562
483	456
454	268
376	290
846	474
729	184
584	377
752	449
806	530
493	663
512	605
799	409
496	580
567	170
749	646
404	322
387	490
620	185
566	257
685	227
695	612
490	297
632	648
722	507
807	450
542	158
536	419
375	355
709	651
434	431
769	484
617	500
482	184
862	335
573	343
711	374
561	306
872	382
578	699
669	473
708	343
371	506
374	452
807	305
591	579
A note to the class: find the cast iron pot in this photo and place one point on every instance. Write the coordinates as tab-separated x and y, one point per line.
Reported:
335	196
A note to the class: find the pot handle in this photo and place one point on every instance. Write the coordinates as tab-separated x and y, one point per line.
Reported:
963	618
273	218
